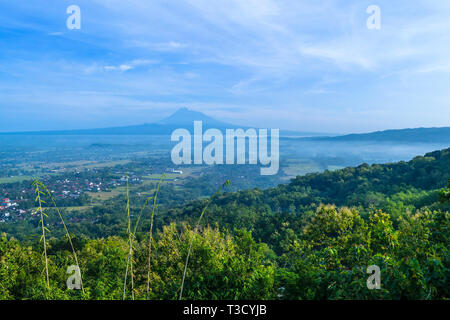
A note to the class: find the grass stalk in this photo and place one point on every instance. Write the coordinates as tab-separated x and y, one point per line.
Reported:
130	247
151	234
40	209
48	193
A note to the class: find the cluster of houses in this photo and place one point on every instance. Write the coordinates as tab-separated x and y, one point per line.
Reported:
69	187
73	188
8	209
131	178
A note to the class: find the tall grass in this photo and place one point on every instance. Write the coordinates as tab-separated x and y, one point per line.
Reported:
40	209
130	247
42	190
132	236
49	194
195	232
150	239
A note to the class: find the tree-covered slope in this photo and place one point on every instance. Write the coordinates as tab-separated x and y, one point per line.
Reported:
423	173
398	189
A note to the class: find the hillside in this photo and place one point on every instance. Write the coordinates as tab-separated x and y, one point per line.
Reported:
397	188
415	135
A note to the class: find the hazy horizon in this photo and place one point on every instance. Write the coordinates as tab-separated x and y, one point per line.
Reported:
213	119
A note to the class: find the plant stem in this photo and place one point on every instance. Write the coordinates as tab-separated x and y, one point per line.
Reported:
151	234
193	236
67	231
41	210
130	246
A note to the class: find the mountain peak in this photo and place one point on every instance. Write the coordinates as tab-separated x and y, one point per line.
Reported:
186	117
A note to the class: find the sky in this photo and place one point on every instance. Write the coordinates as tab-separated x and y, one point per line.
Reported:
306	65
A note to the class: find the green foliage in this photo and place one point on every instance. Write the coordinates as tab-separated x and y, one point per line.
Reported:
279	243
330	259
327	260
445	193
221	267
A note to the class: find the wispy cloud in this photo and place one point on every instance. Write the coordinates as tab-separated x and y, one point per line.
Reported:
121	67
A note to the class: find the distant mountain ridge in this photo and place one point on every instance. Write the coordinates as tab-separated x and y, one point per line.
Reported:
411	135
182	118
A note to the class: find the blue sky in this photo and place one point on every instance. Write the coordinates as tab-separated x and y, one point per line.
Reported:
301	65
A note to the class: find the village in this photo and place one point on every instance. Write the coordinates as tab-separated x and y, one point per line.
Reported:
10	209
70	188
